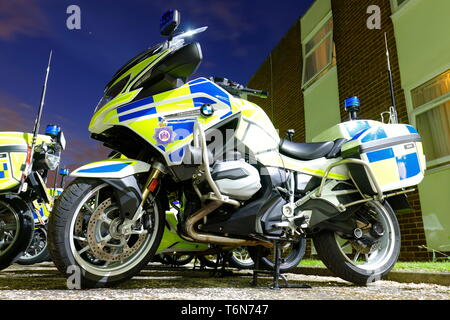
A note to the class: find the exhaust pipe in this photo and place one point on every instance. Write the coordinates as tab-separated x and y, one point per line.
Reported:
209	238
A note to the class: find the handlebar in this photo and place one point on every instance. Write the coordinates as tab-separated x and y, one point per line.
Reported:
237	89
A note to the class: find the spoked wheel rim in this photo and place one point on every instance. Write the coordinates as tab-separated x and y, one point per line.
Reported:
9	227
95	241
242	255
38	244
287	252
374	257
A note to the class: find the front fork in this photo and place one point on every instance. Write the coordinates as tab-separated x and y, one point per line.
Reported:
150	186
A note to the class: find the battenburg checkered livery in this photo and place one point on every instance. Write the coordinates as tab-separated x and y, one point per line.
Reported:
394	154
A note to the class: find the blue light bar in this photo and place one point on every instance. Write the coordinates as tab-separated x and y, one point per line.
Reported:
52	130
352	102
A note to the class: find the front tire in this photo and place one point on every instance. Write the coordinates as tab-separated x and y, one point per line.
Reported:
347	259
84	232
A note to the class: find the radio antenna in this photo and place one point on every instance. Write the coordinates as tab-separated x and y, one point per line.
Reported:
37	122
393	108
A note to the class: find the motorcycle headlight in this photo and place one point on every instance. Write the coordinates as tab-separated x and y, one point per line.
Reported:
51	161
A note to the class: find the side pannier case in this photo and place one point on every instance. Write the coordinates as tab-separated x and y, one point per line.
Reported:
393	153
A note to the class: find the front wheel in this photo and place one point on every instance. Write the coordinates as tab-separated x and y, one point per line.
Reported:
84	231
369	256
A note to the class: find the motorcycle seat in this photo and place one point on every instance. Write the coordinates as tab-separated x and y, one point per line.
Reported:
305	151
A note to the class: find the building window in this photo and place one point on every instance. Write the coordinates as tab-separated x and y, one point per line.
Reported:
319	53
431	114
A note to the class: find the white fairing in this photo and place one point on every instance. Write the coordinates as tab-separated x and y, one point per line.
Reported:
243	181
113	169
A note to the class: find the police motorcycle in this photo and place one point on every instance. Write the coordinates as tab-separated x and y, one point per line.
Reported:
25	161
238	183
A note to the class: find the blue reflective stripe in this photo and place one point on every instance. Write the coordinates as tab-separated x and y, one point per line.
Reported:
197	81
2	174
358	134
5	166
198	102
354	127
211	89
408	166
108	168
137	114
377	134
135	104
411	129
225	115
379	155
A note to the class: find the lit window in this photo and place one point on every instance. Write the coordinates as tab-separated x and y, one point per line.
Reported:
318	53
431	113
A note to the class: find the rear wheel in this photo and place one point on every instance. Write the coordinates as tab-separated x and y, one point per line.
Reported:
177	260
369	256
16	230
240	258
292	253
84	231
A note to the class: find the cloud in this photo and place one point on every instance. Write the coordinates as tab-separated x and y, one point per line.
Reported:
21	17
14	114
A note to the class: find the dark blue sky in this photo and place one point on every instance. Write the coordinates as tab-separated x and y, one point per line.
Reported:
240	36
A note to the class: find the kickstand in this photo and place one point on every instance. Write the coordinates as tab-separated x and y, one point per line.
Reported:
276	271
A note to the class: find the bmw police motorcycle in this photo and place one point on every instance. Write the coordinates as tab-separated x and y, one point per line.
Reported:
37	251
25	161
238	183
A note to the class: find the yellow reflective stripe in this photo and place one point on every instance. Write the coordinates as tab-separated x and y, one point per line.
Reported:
322	173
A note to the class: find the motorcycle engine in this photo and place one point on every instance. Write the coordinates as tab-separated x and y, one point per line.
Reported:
236	179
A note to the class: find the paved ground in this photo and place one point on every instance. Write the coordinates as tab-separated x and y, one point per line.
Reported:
44	282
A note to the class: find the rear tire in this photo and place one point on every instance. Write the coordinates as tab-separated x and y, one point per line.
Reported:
70	239
16	230
378	263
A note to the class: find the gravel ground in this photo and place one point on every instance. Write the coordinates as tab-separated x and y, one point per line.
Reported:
43	281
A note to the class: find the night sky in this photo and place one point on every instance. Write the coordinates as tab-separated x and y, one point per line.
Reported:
240	36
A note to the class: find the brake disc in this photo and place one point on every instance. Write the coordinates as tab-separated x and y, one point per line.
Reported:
104	238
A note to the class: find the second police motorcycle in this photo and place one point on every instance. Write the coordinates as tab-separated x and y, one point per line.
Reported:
201	143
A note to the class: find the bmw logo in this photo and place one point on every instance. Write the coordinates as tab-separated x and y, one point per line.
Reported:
206	110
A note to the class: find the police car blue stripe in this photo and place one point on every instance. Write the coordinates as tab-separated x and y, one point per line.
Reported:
108	168
380	155
5	166
2	174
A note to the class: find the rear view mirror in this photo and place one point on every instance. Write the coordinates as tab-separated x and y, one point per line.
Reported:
169	22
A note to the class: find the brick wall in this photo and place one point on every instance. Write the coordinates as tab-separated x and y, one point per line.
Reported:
280	75
362	71
361	62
